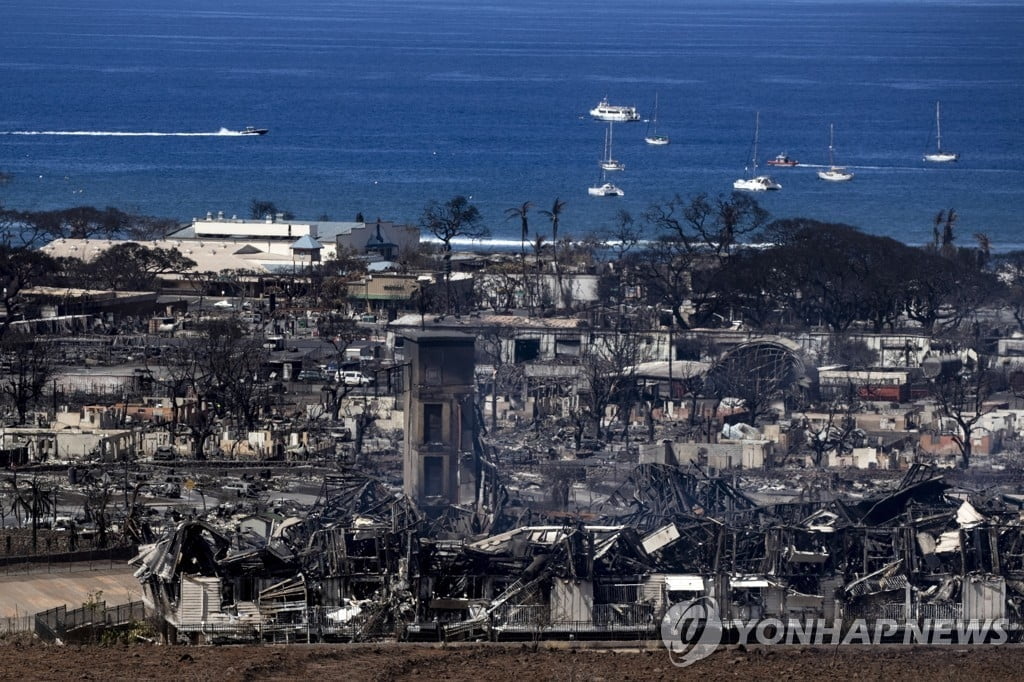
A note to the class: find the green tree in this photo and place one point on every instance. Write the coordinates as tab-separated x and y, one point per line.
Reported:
20	267
133	267
454	218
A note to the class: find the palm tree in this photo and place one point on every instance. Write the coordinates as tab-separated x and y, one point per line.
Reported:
538	247
34	502
984	248
553	215
521	212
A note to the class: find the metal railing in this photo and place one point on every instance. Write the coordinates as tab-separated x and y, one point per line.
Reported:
57	622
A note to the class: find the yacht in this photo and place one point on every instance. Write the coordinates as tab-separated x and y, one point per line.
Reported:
758	183
611	112
249	130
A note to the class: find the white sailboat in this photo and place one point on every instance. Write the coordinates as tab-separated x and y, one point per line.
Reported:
834	173
756	183
608	163
652	136
939	156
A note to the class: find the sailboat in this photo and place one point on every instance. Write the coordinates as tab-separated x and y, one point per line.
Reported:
756	183
834	173
652	136
939	156
608	163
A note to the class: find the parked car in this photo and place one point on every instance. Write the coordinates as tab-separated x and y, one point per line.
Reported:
312	375
354	378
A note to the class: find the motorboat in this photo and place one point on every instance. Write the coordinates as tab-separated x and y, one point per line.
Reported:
249	130
606	189
614	113
783	160
939	156
833	173
756	183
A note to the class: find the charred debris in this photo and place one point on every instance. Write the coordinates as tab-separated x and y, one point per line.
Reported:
367	563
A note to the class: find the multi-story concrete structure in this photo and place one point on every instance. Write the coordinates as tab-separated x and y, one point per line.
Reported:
439	417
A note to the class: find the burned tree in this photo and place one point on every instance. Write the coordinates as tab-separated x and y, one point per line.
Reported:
212	377
29	367
961	391
607	376
835	429
495	348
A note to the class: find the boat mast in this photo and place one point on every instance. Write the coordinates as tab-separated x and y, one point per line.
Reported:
831	138
757	130
938	128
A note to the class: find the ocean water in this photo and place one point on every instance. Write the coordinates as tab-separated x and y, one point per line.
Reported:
379	106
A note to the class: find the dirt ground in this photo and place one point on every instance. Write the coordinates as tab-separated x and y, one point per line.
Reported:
26	659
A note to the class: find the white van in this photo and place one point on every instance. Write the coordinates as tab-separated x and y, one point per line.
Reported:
240	488
354	378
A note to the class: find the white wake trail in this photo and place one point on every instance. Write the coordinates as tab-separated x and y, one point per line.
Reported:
223	132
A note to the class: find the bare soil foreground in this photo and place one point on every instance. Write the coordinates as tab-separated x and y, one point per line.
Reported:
29	660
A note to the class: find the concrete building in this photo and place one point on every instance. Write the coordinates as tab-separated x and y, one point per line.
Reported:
219	244
439	416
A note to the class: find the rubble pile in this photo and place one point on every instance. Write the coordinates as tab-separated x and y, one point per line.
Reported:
364	563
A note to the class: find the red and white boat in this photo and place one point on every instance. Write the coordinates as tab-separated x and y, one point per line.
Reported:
783	160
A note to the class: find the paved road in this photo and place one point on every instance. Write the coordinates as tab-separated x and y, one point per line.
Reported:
34	592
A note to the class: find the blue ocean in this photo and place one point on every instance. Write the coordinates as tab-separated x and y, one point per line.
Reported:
380	106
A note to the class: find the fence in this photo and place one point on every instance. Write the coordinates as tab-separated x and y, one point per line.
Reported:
947	611
11	624
58	622
68	562
629	617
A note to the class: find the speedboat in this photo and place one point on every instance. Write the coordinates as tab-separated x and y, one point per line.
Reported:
782	160
605	190
616	114
758	183
249	130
